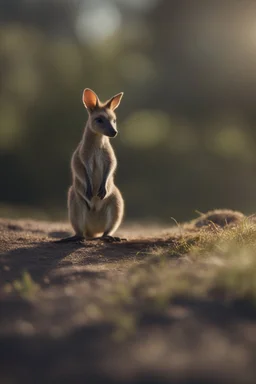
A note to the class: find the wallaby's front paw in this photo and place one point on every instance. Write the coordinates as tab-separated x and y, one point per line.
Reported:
102	192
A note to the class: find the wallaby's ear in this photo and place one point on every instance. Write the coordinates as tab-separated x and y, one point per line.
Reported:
114	102
90	99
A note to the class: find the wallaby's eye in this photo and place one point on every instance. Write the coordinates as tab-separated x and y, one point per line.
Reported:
99	120
114	121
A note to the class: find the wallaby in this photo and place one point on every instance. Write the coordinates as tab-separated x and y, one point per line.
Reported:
95	204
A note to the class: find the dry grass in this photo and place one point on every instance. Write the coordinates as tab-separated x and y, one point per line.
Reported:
211	264
212	260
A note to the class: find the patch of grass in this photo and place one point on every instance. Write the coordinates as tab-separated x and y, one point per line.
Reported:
25	286
216	263
236	263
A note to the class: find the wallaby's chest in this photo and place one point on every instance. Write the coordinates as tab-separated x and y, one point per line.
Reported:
97	165
96	161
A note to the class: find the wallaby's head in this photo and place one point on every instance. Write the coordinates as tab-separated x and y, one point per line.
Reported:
102	118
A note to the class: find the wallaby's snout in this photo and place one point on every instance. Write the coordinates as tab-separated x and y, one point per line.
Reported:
111	132
103	125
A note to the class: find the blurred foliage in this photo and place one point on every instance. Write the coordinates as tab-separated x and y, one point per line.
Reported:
186	123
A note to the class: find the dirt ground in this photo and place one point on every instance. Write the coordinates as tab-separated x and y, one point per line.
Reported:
55	336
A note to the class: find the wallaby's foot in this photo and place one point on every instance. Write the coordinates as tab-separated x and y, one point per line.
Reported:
109	239
70	239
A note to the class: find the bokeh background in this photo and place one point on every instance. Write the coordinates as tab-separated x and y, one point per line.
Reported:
186	123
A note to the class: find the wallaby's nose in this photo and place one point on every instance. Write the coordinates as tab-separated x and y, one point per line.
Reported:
113	133
109	130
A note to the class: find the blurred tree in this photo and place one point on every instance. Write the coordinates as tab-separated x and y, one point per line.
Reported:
187	137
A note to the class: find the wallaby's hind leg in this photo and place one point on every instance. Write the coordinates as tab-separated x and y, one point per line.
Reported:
115	211
77	213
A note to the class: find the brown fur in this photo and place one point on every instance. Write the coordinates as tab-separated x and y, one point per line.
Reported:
94	202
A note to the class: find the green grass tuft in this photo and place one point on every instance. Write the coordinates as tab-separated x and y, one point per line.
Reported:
25	286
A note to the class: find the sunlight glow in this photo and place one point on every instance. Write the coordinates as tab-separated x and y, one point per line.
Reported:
98	20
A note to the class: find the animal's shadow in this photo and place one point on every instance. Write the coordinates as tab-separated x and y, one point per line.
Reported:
38	261
43	258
